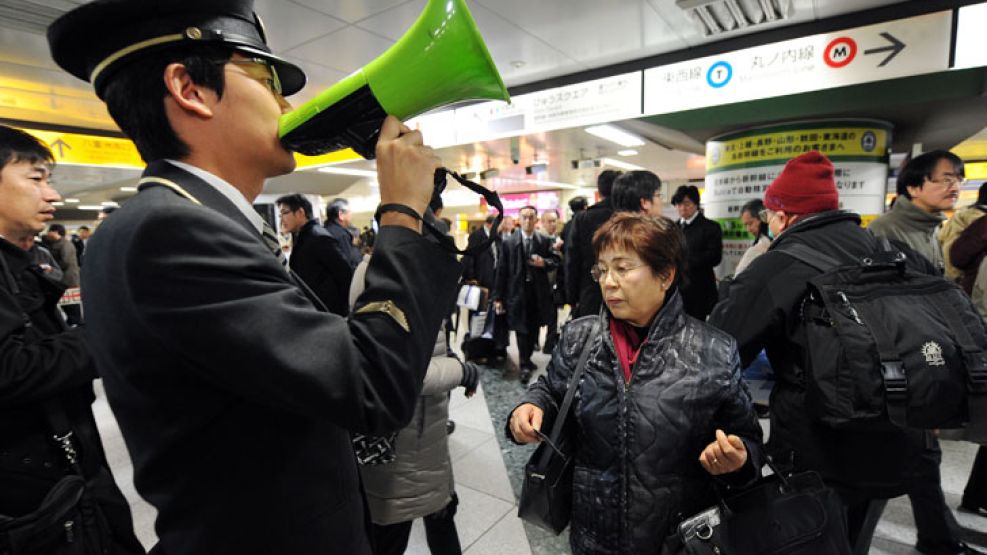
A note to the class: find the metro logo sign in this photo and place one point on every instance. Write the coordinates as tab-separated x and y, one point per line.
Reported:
840	52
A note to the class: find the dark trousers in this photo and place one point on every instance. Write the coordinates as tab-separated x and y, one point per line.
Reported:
862	516
975	493
532	324
937	527
440	533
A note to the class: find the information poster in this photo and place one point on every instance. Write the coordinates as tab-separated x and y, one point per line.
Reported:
740	166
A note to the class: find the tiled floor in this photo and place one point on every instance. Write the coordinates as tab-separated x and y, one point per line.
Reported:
487	486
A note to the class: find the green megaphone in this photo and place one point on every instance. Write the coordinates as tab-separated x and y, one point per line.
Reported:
441	60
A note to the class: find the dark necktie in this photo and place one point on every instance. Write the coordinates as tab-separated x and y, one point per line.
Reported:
527	258
271	240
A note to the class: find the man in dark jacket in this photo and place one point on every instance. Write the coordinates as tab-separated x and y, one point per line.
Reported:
522	287
235	393
761	309
46	371
338	225
315	257
704	242
68	260
582	292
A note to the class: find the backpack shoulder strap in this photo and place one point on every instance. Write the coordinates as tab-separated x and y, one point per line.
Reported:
809	256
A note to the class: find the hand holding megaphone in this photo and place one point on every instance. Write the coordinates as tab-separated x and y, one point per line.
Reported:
405	166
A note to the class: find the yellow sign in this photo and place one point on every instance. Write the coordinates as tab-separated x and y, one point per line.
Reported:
975	170
777	147
94	150
90	150
304	162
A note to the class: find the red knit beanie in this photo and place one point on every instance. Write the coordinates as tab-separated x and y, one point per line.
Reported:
805	186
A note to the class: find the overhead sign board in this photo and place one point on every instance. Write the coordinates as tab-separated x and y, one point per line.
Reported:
598	101
888	50
970	51
89	150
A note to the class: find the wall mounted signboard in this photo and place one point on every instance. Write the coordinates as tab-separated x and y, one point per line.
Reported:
888	50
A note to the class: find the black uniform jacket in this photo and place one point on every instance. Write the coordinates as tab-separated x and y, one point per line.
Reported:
316	259
43	362
235	394
704	242
510	288
581	290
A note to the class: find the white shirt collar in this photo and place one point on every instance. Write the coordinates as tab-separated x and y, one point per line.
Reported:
690	220
228	191
526	236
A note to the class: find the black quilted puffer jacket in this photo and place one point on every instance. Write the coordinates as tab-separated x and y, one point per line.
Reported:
637	471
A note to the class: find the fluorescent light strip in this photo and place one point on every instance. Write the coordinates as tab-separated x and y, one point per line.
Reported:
129	189
348	171
615	135
89	207
628	152
619	164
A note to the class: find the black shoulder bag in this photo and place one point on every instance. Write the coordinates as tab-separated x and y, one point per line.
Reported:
546	494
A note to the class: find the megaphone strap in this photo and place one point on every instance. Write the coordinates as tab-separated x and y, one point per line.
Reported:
428	219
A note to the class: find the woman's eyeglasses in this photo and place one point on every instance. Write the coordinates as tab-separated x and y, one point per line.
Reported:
599	272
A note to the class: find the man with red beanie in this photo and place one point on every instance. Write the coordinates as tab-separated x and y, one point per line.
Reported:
762	308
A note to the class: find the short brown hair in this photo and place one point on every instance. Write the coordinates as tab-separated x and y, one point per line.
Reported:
657	240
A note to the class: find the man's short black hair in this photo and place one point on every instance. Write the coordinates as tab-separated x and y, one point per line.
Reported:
85	227
135	96
577	204
296	201
527	207
632	187
604	182
107	209
18	146
921	167
690	192
490	220
982	194
336	207
57	228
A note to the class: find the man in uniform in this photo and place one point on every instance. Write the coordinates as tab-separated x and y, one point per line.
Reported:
235	394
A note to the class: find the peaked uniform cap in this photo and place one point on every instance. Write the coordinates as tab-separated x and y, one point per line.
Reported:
96	39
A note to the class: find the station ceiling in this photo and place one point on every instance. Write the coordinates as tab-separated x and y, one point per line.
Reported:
533	43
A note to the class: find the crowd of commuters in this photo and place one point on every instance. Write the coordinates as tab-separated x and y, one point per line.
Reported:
257	381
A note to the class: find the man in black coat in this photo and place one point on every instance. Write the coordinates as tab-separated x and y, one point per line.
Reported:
582	292
704	242
763	306
338	225
235	393
315	256
522	288
46	371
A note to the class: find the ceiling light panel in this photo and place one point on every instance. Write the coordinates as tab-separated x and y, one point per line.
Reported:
615	135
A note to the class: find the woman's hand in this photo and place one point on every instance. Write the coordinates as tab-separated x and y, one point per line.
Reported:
725	455
524	421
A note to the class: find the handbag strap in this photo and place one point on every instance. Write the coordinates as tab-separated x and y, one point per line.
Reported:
573	384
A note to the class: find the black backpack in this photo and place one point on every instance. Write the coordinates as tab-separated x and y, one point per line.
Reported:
888	343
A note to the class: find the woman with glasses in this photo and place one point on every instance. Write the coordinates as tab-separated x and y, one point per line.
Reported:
660	410
754	217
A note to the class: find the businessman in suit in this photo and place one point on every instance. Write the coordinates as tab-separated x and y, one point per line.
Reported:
522	288
235	393
315	255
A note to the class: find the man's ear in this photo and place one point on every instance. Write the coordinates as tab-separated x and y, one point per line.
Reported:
914	189
186	94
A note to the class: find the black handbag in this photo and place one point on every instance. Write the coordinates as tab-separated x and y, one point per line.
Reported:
546	494
68	521
780	514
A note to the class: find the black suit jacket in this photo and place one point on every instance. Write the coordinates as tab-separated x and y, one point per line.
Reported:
235	394
704	245
580	258
316	258
510	288
480	267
